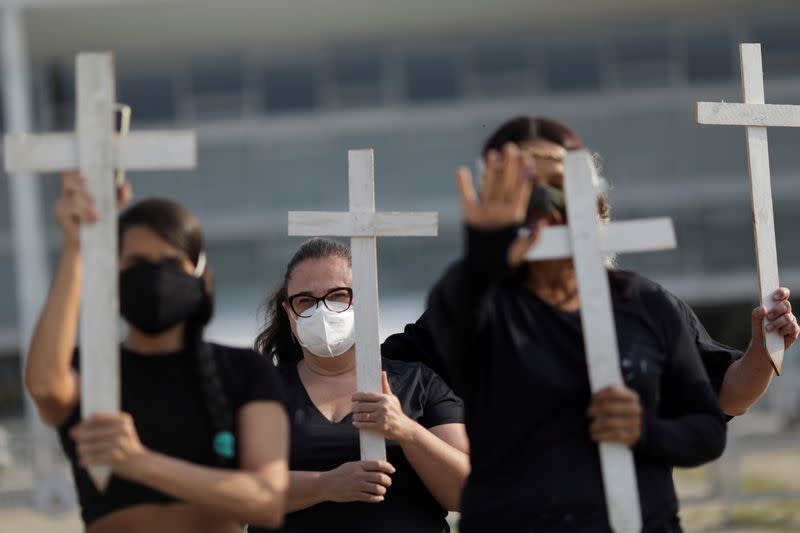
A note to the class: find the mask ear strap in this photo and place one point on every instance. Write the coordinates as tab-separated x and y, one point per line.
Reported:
200	269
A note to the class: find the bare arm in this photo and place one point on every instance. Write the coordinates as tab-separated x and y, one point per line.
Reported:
748	378
49	378
440	457
306	489
254	494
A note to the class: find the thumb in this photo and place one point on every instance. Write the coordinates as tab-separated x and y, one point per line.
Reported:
757	318
385	384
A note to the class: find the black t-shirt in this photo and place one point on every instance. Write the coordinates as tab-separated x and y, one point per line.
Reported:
163	394
416	343
317	444
520	366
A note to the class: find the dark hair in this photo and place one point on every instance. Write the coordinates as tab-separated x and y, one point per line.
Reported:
180	228
276	339
523	128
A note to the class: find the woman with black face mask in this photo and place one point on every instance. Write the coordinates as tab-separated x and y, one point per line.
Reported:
201	442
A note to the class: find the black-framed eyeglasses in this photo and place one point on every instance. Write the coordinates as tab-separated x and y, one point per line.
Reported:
338	300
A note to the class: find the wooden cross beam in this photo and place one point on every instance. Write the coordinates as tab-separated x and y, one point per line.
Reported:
588	241
95	150
756	116
362	224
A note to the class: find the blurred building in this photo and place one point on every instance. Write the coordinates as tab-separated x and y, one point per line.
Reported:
279	90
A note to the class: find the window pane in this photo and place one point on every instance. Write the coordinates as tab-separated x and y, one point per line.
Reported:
431	78
780	47
151	97
573	66
361	66
217	75
503	56
288	87
711	57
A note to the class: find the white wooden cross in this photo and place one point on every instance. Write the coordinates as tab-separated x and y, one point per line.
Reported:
362	224
96	151
588	241
756	116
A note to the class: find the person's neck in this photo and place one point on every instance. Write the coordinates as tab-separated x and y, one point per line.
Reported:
166	342
555	283
330	366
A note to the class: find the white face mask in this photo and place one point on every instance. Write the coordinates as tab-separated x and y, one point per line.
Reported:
327	333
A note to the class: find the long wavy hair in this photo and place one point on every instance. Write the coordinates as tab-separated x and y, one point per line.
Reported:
276	338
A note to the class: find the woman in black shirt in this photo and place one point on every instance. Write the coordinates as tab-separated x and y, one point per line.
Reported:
310	333
510	335
738	377
201	442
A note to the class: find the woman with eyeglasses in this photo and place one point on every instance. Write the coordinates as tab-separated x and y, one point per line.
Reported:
201	442
309	332
510	334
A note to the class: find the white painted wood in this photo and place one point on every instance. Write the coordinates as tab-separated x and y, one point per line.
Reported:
100	390
756	116
362	224
599	333
361	181
724	114
96	150
141	150
645	235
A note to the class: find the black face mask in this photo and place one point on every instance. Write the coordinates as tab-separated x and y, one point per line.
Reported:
155	297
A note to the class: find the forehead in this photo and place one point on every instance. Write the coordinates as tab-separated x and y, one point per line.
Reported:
143	241
319	275
543	146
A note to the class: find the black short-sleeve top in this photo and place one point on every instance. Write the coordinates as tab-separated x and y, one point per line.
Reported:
164	396
317	444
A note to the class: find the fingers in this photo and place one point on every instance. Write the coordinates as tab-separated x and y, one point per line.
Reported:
511	171
492	179
783	307
372	488
782	322
614	409
367	397
124	194
387	389
614	424
369	498
366	402
781	294
379	478
466	190
378	466
757	319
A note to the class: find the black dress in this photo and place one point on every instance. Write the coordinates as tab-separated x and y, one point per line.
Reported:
520	366
317	444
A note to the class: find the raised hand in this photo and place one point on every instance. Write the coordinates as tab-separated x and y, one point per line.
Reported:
75	206
505	193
